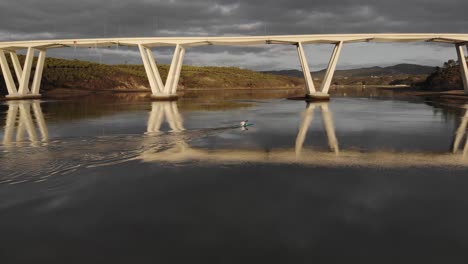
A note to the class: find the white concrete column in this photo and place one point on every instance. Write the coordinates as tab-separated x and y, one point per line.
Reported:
10	83
16	65
172	71
24	82
154	67
463	66
309	83
326	82
38	74
178	70
148	69
23	74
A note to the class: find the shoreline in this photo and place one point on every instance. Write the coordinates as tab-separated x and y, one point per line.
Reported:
402	90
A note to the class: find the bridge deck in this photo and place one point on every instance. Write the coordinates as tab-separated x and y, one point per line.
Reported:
237	40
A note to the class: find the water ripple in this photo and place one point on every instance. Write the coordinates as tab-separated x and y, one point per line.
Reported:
38	162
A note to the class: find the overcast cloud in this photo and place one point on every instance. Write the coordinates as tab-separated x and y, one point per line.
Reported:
48	19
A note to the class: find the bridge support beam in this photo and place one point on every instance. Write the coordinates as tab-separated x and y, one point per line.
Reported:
309	82
326	82
23	74
463	66
161	91
311	92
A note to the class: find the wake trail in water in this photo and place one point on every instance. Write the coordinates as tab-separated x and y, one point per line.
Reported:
40	162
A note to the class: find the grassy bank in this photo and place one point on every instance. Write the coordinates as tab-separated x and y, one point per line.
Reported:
73	77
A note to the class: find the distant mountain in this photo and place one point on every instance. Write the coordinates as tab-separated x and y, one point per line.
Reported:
400	69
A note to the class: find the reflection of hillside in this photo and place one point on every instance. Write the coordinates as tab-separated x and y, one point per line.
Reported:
449	111
215	94
367	92
105	105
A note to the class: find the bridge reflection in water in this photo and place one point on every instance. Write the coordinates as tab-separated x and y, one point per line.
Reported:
168	111
299	154
26	118
462	133
307	117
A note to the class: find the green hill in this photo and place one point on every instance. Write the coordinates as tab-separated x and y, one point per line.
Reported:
74	77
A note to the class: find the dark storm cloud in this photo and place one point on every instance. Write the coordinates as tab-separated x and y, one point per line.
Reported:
87	18
32	19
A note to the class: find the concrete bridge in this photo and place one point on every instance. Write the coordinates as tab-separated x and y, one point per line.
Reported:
23	88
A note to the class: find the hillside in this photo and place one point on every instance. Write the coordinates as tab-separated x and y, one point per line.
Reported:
399	69
80	77
397	74
443	79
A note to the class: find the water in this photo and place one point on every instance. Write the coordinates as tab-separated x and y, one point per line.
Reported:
114	181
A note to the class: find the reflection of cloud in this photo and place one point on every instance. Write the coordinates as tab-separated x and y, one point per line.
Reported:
11	36
224	9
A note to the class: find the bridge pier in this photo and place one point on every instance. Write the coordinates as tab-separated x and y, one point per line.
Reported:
463	66
159	90
311	92
23	74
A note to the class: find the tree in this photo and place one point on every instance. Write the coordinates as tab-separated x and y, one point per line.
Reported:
451	63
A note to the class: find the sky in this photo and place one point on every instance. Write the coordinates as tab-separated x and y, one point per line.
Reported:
59	19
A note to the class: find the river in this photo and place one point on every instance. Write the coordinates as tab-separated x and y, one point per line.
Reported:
362	179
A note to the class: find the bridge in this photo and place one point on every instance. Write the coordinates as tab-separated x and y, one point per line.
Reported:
23	88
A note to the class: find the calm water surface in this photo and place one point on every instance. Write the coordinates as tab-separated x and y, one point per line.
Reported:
356	180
